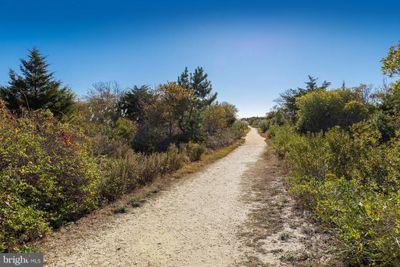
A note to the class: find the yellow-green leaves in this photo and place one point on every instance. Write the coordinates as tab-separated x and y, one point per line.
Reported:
391	63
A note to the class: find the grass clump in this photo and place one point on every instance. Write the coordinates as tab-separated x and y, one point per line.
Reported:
136	203
120	209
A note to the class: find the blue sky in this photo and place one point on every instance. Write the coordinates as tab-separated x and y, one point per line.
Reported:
252	50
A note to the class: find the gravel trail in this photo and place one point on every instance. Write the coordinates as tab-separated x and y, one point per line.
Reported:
194	223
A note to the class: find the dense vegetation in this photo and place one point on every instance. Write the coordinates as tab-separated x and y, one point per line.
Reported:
343	149
61	158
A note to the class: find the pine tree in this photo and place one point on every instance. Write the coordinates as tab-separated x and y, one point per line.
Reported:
134	102
183	79
36	88
311	84
202	87
198	82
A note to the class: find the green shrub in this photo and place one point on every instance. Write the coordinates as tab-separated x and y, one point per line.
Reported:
19	222
124	129
120	175
321	110
240	128
282	137
264	125
350	181
47	176
51	168
195	151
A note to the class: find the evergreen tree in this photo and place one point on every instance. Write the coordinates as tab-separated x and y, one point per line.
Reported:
184	80
198	82
36	88
202	87
135	101
311	85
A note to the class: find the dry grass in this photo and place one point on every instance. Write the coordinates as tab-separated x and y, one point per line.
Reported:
206	159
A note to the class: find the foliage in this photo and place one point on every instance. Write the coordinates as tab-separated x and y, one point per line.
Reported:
288	99
194	151
219	116
389	108
254	121
134	102
36	88
321	110
350	181
171	118
103	102
391	63
345	165
227	136
19	222
127	171
45	160
47	177
200	85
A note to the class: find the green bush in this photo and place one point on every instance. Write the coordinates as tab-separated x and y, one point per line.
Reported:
264	125
19	222
321	110
46	174
240	128
282	137
350	181
52	170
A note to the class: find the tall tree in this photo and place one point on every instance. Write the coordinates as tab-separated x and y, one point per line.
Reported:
200	85
36	88
184	79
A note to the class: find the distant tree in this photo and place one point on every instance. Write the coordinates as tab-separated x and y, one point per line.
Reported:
218	117
181	111
36	88
134	102
102	101
311	84
198	82
184	79
287	100
171	117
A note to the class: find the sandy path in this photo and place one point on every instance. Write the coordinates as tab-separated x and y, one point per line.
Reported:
194	223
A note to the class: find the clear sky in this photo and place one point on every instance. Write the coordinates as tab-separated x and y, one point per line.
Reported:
251	49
